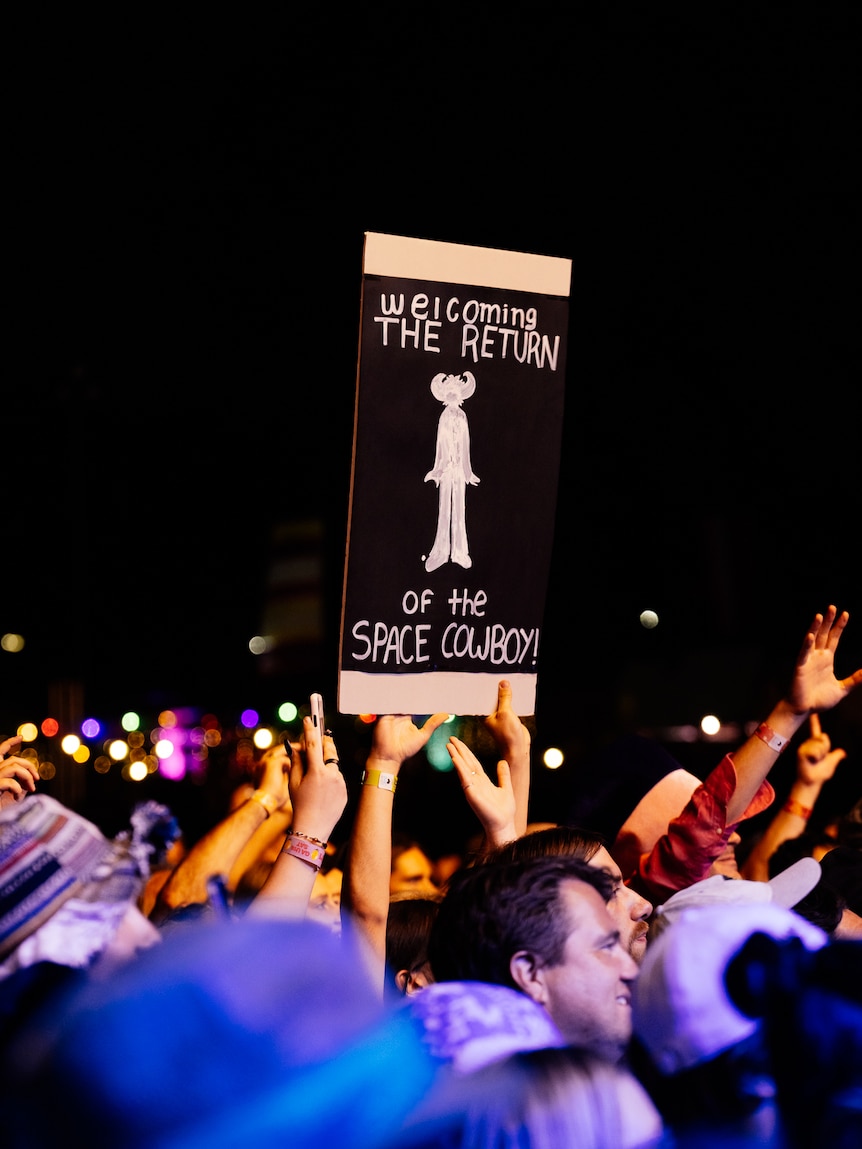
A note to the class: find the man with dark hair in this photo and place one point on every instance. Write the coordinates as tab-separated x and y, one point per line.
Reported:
541	926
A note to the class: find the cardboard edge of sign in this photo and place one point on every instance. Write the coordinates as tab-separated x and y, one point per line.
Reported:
404	258
456	693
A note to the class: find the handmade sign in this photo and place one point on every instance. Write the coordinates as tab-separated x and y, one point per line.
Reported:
459	407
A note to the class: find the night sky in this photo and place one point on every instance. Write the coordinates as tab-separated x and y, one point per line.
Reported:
187	205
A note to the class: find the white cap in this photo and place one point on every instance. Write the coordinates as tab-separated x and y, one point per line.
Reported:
682	1012
785	889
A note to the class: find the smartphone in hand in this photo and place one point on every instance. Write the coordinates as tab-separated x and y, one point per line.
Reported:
316	712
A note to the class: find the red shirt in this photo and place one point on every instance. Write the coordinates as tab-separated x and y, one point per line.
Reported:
697	837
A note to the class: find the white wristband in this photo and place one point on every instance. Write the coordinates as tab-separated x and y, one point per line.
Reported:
774	741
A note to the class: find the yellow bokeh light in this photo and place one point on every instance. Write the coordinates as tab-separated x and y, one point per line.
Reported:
167	720
709	724
118	749
164	748
70	744
553	758
28	731
12	643
137	771
82	754
263	738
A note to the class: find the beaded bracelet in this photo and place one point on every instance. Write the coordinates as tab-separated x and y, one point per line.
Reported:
306	852
308	838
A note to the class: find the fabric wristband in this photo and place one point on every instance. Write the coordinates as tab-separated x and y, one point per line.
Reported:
269	802
304	850
776	742
380	779
791	806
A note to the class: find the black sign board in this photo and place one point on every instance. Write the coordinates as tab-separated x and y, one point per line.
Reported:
459	407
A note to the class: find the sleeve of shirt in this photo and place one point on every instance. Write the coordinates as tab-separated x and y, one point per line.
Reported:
697	837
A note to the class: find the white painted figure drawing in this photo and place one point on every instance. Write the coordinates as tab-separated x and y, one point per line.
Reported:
452	471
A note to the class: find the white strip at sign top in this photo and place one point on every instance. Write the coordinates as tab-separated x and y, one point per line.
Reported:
405	258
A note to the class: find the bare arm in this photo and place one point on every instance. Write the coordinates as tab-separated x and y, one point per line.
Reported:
395	739
513	744
218	850
814	687
318	793
270	834
816	763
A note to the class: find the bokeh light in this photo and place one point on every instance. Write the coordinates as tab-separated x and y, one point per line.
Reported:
436	752
553	758
709	724
90	728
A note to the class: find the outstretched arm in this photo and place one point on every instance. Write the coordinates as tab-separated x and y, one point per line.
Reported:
218	850
814	687
318	794
268	838
513	745
816	763
395	739
738	788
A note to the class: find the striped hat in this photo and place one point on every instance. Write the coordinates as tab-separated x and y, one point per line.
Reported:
49	854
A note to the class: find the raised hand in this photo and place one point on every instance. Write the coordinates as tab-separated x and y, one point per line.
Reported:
815	685
396	737
273	772
508	730
318	790
513	743
18	776
816	761
493	804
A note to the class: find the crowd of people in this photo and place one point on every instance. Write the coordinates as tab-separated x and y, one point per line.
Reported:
616	980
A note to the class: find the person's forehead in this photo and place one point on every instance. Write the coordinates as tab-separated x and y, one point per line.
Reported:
412	859
602	860
585	908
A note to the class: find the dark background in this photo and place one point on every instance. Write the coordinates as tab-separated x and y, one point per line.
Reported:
186	203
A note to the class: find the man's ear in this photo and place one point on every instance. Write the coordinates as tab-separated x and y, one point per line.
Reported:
528	975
